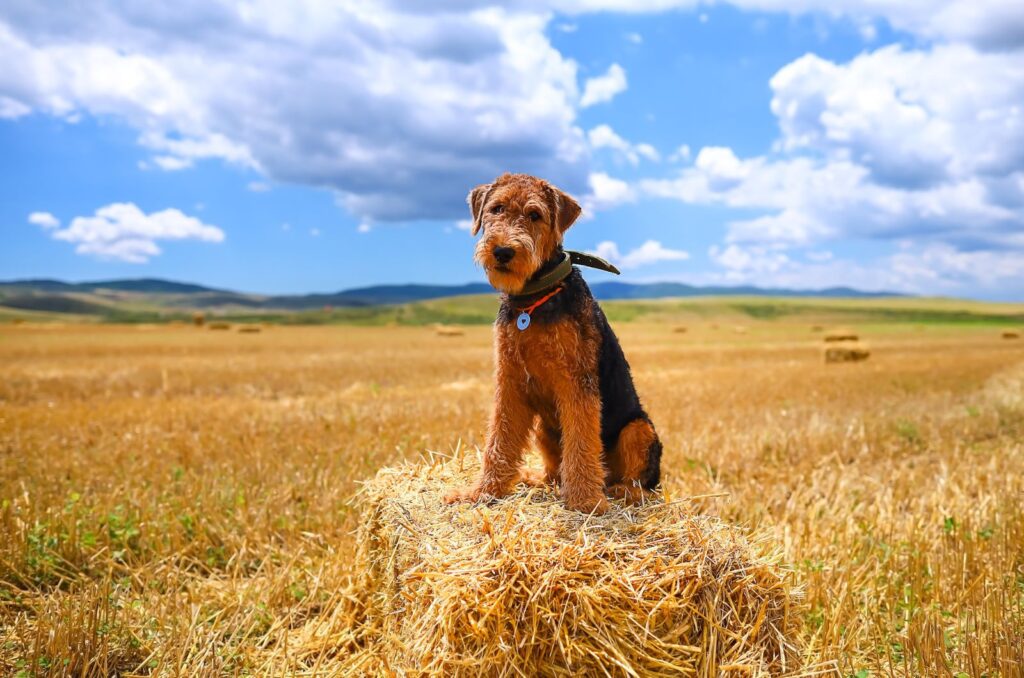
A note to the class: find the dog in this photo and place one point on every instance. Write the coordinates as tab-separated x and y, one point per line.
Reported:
560	372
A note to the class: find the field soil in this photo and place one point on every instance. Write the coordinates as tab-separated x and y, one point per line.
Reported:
176	501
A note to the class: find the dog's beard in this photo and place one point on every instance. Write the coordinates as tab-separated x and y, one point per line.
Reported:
510	277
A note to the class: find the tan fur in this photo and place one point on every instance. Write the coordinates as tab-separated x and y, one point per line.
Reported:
546	381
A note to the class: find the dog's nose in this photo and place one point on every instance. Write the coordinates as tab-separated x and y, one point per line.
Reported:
504	254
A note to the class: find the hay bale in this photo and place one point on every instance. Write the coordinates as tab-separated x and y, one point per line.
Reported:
1011	334
249	329
847	352
817	328
680	329
841	335
448	331
219	326
198	319
527	587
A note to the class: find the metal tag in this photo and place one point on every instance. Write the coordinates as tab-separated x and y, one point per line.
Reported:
523	321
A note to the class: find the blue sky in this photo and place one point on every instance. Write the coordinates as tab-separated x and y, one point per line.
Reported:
331	145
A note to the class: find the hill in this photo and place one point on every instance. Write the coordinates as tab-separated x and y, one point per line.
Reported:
123	298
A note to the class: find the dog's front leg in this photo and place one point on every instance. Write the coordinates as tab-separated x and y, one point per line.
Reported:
579	411
507	435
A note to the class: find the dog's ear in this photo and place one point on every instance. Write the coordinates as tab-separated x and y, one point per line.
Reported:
563	208
476	199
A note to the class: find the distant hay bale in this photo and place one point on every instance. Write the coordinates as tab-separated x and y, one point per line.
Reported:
249	329
198	319
448	331
847	352
1011	334
841	335
817	328
526	587
219	326
680	329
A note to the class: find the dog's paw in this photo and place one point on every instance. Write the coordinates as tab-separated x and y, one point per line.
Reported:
462	494
597	505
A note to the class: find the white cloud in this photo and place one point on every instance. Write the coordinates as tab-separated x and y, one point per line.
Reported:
934	269
123	232
258	186
314	232
44	219
445	99
635	38
681	154
913	118
604	88
464	224
605	193
604	136
744	263
650	252
364	227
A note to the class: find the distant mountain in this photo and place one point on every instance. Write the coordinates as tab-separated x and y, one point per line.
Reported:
141	285
105	296
620	290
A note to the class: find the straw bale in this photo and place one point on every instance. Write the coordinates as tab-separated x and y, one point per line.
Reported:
680	329
1011	334
448	331
219	326
526	587
847	352
249	329
841	335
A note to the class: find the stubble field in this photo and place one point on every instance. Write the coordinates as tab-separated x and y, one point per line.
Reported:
175	500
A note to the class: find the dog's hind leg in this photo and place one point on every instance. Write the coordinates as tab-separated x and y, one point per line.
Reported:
550	451
638	462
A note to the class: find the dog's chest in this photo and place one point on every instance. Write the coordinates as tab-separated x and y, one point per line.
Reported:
547	353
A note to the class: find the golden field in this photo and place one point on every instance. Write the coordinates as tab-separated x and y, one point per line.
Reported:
176	501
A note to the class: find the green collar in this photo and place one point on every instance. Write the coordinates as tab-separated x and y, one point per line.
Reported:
560	272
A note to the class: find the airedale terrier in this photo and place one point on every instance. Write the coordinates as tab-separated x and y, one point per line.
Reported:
560	371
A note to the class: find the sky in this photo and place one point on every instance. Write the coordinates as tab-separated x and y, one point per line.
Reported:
309	146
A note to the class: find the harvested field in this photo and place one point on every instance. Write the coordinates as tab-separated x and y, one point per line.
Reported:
178	501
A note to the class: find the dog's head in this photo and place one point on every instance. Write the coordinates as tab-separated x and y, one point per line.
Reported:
523	219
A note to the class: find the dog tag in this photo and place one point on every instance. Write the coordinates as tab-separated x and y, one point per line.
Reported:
523	321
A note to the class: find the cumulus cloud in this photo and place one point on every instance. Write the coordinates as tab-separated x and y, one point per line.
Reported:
123	232
603	136
650	252
913	118
923	146
395	110
605	192
604	88
44	220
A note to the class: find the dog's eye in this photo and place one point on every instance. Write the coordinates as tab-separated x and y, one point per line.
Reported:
497	209
534	216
